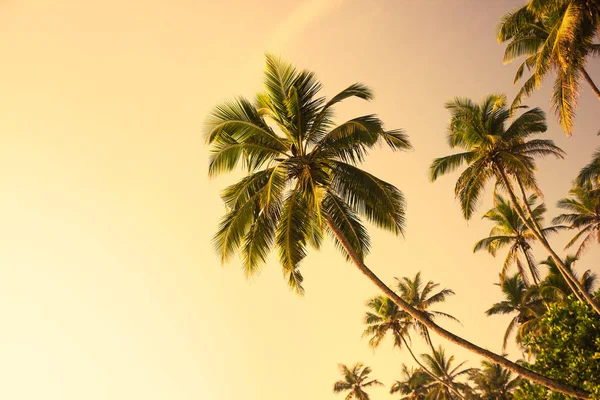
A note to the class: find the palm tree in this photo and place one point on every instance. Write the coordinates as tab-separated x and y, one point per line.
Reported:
493	382
413	385
583	215
302	181
509	230
355	381
590	174
520	301
384	316
554	288
504	154
554	36
441	365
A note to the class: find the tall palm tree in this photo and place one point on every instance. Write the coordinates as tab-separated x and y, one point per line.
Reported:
413	385
302	181
492	382
493	151
509	230
583	215
384	316
441	365
520	301
355	381
553	36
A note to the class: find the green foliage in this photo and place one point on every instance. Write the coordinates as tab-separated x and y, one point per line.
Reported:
567	348
301	176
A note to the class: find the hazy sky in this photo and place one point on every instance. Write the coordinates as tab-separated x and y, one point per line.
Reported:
109	286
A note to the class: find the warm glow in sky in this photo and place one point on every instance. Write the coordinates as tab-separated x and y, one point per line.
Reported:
109	286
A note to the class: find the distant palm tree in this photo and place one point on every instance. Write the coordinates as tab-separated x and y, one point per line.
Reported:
354	382
509	230
554	288
590	174
413	385
302	182
583	215
384	316
492	382
520	301
441	365
493	151
554	36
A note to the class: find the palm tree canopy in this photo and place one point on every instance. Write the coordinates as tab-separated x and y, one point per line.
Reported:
385	316
522	302
491	147
583	214
301	173
354	381
442	366
422	296
510	230
552	36
413	385
555	288
492	382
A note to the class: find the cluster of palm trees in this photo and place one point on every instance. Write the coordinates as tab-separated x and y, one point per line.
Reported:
490	382
436	377
303	182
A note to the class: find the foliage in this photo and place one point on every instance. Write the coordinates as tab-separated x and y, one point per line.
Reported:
354	381
301	177
567	348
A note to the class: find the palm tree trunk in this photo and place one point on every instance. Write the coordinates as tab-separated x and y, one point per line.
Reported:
591	83
536	281
424	319
573	283
449	385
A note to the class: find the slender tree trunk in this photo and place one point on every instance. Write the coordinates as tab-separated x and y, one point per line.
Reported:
573	283
536	281
591	83
424	319
431	374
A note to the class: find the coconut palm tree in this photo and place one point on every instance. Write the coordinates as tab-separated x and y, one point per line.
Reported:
302	181
413	385
583	215
553	36
590	174
554	288
521	302
355	381
509	230
492	382
384	316
493	151
441	366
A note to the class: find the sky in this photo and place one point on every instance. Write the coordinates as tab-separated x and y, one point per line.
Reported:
109	285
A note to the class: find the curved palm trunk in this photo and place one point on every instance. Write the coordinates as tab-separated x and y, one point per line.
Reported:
590	82
450	381
424	319
449	385
573	283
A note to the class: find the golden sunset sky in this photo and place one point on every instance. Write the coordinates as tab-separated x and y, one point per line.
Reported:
109	285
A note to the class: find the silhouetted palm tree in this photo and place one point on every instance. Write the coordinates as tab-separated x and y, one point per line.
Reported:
494	152
509	230
554	36
355	381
